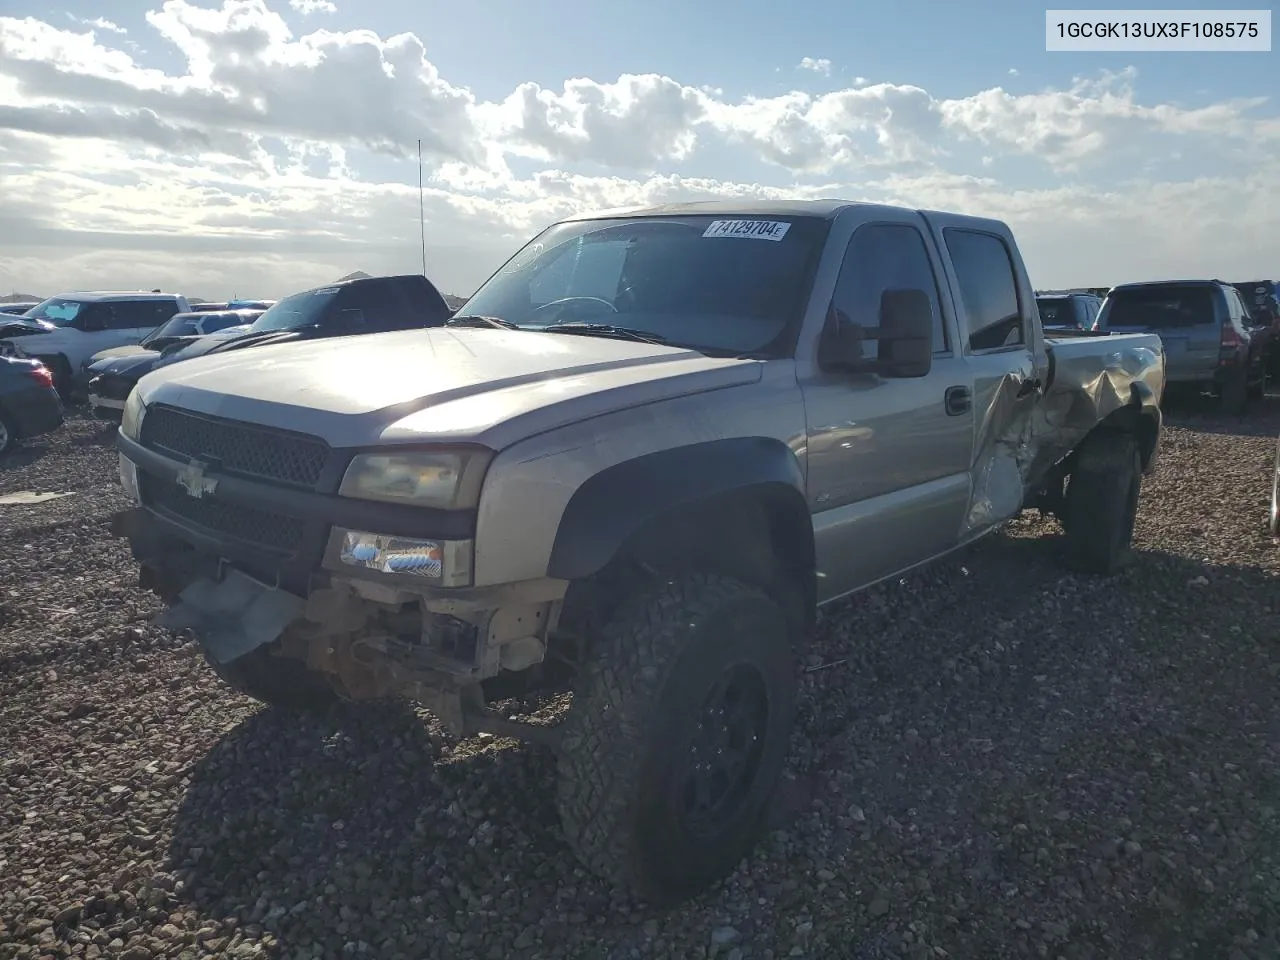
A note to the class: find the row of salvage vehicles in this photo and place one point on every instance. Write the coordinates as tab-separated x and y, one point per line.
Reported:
651	446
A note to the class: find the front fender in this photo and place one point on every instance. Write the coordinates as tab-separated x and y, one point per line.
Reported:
613	505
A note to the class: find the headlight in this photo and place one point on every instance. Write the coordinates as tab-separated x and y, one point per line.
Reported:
445	479
131	419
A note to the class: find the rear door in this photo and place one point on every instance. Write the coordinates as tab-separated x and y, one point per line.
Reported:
1187	317
1005	355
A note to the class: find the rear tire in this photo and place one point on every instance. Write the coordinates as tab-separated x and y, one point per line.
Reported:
661	790
281	682
1102	503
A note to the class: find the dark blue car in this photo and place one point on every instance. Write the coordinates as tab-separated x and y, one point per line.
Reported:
29	404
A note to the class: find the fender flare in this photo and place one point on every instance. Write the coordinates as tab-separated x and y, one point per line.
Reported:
610	507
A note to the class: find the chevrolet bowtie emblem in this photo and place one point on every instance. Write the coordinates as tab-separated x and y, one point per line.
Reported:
192	479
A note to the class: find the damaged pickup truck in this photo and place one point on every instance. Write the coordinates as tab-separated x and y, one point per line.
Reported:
656	442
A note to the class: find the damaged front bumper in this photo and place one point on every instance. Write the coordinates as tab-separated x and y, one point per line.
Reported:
371	635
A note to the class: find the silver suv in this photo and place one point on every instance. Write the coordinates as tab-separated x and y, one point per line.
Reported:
1211	342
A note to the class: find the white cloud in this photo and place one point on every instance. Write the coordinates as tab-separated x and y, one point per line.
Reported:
101	23
1013	71
253	163
313	6
821	65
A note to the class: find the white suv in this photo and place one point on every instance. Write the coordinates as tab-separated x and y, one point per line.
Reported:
78	325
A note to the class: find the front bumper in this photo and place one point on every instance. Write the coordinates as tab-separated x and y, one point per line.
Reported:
283	535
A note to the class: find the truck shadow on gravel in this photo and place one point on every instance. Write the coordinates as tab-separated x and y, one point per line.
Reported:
993	741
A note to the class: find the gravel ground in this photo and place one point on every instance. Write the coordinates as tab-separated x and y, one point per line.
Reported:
993	759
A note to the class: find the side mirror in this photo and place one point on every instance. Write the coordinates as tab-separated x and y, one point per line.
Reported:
905	335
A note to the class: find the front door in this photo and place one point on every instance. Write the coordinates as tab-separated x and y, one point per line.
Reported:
888	459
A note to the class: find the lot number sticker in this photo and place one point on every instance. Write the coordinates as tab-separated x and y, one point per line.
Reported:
749	229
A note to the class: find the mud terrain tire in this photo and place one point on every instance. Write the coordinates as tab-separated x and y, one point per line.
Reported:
281	682
1102	503
644	721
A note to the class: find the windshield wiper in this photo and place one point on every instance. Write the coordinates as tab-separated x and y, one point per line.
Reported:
605	330
476	320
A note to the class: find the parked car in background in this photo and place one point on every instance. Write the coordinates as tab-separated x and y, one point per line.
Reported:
29	403
115	372
17	309
341	309
1211	341
213	307
1068	311
78	325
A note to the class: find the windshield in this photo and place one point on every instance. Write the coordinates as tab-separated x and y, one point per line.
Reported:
1164	306
56	310
1057	312
295	312
721	285
192	325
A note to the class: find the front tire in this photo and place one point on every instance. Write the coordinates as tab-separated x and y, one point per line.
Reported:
1102	503
281	682
677	736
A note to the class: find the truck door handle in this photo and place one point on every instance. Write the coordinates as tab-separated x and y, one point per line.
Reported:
958	400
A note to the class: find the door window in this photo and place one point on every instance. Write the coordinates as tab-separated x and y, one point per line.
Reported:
880	257
988	288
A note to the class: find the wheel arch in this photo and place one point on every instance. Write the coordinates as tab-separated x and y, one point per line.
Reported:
1141	417
736	505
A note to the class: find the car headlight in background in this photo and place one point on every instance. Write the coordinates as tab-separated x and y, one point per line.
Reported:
443	479
131	419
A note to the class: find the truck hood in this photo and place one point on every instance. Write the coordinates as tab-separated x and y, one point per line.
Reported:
487	386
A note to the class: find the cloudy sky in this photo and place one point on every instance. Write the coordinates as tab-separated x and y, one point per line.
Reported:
258	147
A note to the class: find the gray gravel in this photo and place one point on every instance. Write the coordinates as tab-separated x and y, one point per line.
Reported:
994	759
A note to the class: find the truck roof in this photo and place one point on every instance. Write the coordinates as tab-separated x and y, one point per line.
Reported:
825	209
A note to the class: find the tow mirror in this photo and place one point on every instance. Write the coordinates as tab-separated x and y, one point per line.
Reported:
906	333
905	336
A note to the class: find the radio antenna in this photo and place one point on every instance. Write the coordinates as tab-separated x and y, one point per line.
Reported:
422	220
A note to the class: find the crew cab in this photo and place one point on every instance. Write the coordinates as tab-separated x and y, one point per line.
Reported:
652	446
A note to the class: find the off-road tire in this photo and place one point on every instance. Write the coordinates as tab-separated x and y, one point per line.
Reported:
281	682
1233	395
1102	503
635	713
